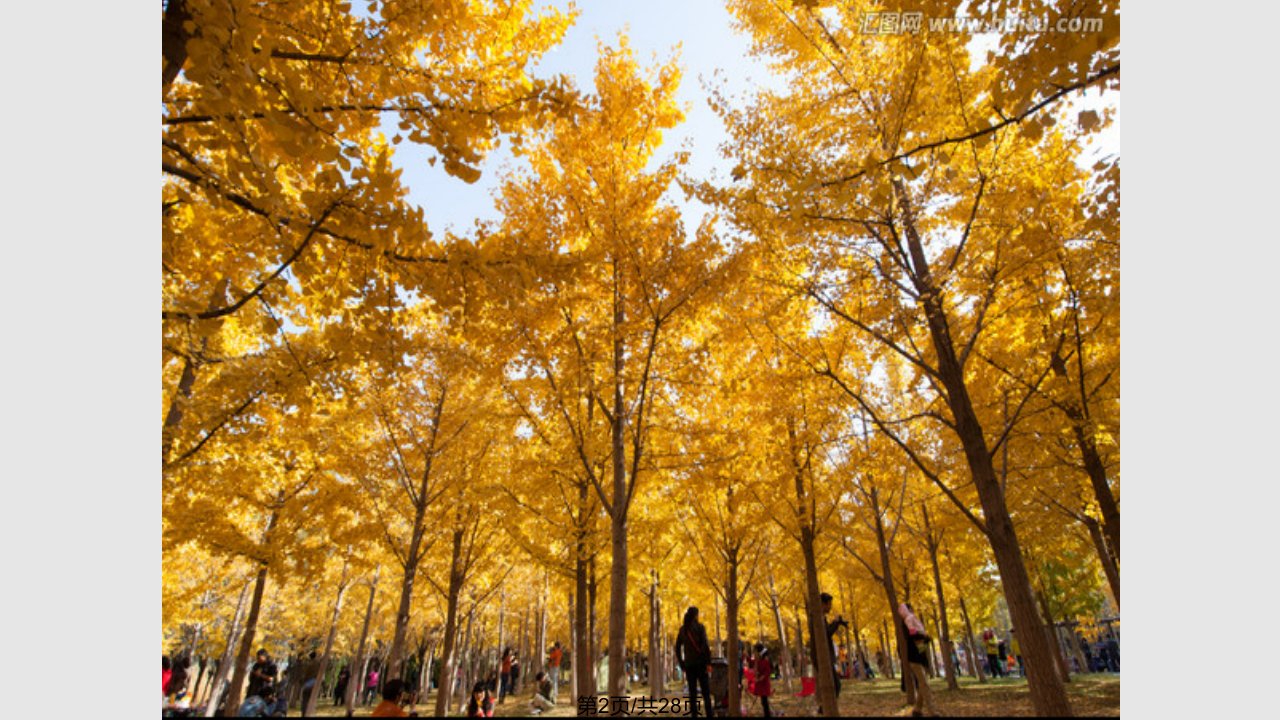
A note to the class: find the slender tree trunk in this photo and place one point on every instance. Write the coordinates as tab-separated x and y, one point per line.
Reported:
1104	556
246	643
618	579
860	651
445	690
804	660
719	640
973	647
943	627
581	629
886	649
818	630
310	708
891	595
355	685
468	642
593	638
655	639
782	636
731	603
574	640
619	505
216	689
1051	634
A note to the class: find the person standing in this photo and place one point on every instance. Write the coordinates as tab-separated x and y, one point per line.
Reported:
504	677
263	673
764	674
831	627
371	686
917	659
693	655
553	668
515	670
340	687
993	652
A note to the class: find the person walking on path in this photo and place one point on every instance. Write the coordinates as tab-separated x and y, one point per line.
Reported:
917	660
693	655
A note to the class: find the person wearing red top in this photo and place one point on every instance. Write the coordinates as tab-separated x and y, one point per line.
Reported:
553	668
764	674
166	672
504	679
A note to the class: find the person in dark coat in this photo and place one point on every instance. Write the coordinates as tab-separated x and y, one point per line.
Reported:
693	655
340	687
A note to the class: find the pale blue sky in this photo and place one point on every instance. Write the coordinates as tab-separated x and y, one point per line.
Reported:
706	42
701	33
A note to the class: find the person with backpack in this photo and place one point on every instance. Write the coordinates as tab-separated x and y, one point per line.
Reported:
693	655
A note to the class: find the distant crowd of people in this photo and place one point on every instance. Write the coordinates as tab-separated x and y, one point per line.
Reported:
269	695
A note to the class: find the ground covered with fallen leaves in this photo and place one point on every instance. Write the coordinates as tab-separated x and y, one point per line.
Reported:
1091	696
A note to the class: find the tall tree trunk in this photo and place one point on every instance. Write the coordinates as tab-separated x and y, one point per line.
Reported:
445	690
310	708
886	650
782	636
975	664
414	557
216	686
574	639
593	638
619	505
860	651
468	642
1051	634
719	640
1048	693
731	603
1104	557
655	638
891	595
803	659
355	685
246	642
581	630
944	628
818	630
502	611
